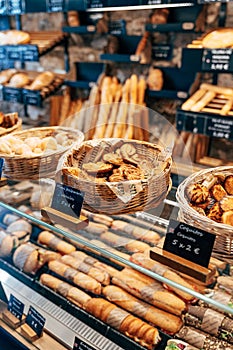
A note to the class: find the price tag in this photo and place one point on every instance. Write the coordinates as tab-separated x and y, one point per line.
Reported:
190	122
152	2
117	27
3	53
217	60
13	53
96	3
15	306
189	242
55	5
219	127
32	98
35	320
12	94
162	52
15	7
81	345
210	1
67	200
29	53
134	58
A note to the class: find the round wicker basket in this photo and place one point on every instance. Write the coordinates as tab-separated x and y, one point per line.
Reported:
14	128
20	167
124	196
223	247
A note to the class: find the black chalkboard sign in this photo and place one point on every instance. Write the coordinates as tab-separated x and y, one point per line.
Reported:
81	345
67	200
35	320
162	52
55	5
15	7
220	127
16	307
217	60
188	242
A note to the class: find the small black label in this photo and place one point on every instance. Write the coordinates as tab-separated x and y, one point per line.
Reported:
117	27
152	2
35	320
189	242
190	122
15	7
220	127
210	1
67	200
217	60
1	166
81	345
29	53
97	3
162	52
15	306
12	94
3	53
55	5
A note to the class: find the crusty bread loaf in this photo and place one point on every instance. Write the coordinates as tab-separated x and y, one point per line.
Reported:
50	240
42	80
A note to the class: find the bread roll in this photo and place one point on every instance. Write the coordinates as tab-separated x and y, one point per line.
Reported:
53	242
155	316
6	75
152	293
73	294
42	80
127	243
117	318
99	275
20	225
143	260
19	80
7	244
80	279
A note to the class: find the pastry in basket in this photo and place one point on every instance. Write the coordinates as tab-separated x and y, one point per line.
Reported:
228	184
6	75
8	120
19	80
14	37
42	80
218	39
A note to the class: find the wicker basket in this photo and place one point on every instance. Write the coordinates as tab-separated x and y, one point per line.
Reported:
223	247
125	196
19	167
14	128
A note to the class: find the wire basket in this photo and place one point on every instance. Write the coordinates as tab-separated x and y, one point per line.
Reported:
121	196
20	167
223	247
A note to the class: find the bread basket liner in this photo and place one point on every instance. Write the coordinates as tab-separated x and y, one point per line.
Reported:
224	233
129	190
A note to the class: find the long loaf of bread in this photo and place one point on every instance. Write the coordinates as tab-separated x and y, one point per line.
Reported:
50	240
143	260
135	231
79	278
80	265
130	325
152	293
127	243
73	294
159	318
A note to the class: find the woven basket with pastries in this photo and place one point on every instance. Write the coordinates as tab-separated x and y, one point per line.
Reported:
206	202
118	175
34	153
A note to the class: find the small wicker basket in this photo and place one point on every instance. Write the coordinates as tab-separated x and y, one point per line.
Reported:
124	196
19	167
223	247
14	128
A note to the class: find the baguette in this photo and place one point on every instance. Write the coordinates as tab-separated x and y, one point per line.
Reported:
73	294
217	89
42	80
187	105
99	275
96	228
53	242
151	293
119	130
99	218
80	279
127	243
155	316
7	243
117	318
164	271
137	232
113	114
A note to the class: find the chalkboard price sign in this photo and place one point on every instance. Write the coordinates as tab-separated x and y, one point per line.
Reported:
16	307
35	320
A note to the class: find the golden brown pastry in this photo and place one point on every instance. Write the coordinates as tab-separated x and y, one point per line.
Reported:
80	265
6	75
226	203
53	242
215	212
79	278
219	38
197	193
73	294
154	316
228	184
218	192
227	217
19	80
42	80
155	79
14	37
117	318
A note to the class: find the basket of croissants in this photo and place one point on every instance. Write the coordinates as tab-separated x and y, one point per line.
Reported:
118	175
206	202
9	123
34	153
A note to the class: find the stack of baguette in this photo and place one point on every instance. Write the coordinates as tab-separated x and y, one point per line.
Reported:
215	39
112	110
211	99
